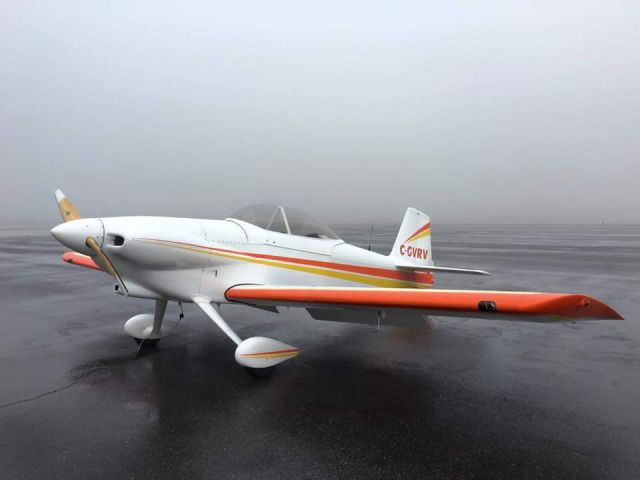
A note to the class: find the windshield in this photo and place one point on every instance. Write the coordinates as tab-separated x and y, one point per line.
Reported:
284	220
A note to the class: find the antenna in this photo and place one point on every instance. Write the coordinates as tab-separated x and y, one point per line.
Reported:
371	234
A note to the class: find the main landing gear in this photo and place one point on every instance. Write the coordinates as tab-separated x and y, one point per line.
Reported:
259	355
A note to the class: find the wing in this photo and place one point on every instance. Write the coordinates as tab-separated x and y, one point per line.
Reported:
81	260
454	303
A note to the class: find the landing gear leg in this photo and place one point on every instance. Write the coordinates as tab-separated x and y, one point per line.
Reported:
258	354
144	332
158	317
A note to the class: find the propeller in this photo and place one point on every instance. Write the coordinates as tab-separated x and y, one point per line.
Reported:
106	264
69	213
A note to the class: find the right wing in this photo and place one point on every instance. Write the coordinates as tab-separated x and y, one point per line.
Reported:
453	303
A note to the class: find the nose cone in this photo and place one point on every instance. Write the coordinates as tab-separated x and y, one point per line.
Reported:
74	234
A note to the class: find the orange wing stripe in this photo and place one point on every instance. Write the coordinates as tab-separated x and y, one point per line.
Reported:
515	303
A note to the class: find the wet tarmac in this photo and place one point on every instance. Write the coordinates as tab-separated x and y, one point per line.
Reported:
458	399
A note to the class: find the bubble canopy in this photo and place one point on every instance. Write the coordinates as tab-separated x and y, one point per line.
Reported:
278	218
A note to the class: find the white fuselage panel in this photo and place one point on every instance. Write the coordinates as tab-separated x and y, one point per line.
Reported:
177	258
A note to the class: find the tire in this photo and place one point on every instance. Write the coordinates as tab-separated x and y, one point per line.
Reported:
260	372
148	342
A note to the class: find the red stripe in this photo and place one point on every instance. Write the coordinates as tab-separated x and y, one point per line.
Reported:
418	232
417	277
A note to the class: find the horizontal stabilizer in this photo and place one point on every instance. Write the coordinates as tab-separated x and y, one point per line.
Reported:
412	248
433	268
454	303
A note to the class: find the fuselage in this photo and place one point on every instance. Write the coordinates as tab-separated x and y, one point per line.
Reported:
175	258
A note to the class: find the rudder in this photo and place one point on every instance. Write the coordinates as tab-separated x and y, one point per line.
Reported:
413	243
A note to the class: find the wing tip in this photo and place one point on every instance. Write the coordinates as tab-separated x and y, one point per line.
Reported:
586	308
601	310
75	258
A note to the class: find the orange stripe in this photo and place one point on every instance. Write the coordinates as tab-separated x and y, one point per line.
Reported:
418	232
289	350
278	355
416	277
351	277
292	352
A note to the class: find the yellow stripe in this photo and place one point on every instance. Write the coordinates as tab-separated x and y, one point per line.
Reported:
351	277
423	234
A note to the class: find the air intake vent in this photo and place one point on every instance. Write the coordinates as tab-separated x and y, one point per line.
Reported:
118	240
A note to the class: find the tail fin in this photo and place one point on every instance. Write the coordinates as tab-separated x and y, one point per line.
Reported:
413	243
67	209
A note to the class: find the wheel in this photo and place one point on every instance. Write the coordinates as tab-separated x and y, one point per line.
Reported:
260	372
148	342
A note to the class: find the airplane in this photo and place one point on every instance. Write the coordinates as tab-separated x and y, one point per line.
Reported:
269	256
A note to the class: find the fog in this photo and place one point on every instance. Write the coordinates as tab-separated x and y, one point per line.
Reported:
470	111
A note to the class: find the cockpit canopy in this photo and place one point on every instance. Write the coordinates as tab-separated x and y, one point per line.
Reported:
284	220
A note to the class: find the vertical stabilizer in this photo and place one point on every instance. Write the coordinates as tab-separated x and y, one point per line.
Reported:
413	243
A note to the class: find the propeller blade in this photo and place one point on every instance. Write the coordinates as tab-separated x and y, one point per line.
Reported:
106	264
68	211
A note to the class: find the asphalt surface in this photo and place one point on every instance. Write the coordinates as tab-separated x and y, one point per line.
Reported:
457	399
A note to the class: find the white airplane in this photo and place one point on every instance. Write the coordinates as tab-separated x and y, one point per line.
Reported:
271	256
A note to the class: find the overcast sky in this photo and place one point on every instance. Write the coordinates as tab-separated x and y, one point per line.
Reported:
470	111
